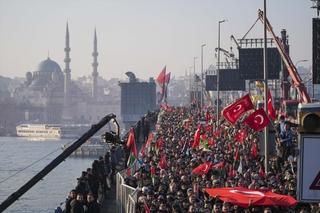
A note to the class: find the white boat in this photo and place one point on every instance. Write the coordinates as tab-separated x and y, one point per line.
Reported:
51	130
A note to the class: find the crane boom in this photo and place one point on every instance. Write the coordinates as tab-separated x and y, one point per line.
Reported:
296	79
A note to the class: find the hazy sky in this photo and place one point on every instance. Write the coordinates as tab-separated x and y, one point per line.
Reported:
139	35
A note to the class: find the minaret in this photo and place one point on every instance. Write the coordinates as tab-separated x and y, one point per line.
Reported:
67	71
95	67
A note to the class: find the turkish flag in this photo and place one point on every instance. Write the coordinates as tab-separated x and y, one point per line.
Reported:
244	197
257	120
233	112
161	79
203	168
254	150
241	136
271	111
196	140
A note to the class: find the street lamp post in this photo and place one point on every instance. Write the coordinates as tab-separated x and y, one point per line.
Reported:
202	75
218	69
194	80
265	74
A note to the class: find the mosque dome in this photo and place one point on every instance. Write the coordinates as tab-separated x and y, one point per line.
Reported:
49	65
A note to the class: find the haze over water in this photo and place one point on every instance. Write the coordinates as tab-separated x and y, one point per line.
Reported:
45	196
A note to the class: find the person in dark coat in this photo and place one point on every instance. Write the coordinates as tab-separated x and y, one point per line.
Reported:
92	205
77	205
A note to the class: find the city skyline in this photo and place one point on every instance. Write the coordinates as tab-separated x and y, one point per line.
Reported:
139	36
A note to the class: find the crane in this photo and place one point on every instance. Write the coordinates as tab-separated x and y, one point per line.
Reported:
296	79
230	55
316	5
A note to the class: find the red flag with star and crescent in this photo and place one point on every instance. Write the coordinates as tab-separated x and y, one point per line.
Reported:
271	111
257	120
233	112
202	168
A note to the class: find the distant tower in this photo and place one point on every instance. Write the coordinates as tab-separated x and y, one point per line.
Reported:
67	71
95	66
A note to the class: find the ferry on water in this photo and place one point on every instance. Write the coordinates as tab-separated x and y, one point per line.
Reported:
51	130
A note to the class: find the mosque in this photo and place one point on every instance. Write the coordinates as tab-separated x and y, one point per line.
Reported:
50	96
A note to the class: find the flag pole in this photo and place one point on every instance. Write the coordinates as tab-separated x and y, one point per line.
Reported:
265	72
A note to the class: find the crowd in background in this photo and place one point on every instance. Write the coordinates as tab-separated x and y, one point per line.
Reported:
165	175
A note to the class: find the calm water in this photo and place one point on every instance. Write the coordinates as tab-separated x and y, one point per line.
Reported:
45	196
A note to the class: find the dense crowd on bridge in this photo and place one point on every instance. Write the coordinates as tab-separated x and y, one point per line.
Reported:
173	174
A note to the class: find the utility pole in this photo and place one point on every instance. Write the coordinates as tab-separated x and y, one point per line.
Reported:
218	69
202	75
265	74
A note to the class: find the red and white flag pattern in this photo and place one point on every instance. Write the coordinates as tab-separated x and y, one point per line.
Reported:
271	111
257	120
233	112
203	168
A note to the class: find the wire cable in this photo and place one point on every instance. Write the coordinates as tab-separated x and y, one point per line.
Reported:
37	161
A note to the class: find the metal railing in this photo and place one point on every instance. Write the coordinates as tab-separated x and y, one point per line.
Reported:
126	196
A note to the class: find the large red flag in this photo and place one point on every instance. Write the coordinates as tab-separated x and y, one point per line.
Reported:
245	198
196	140
233	112
271	111
202	168
257	120
161	79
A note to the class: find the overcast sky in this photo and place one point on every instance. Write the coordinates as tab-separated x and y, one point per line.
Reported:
139	35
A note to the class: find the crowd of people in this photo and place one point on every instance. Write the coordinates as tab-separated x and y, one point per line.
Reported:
93	184
167	179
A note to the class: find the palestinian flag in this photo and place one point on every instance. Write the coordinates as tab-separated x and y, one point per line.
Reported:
131	144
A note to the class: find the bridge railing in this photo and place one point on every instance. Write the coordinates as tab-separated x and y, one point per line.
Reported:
126	196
